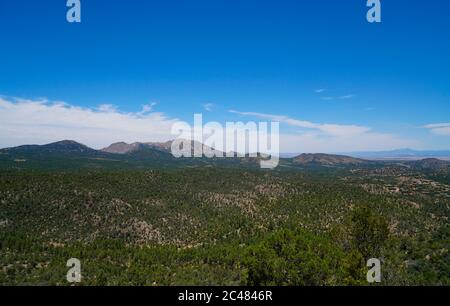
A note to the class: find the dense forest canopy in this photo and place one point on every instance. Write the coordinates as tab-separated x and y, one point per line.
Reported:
224	226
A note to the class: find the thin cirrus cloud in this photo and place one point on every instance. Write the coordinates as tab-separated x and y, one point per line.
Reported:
329	98
324	137
41	121
439	128
329	129
208	107
345	97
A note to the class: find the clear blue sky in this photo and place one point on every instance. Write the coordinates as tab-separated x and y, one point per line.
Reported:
318	61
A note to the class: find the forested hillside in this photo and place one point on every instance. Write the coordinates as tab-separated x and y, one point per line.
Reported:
223	226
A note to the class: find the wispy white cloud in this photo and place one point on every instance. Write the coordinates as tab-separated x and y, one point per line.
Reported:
208	107
328	129
147	108
351	96
344	97
41	121
326	137
439	128
321	90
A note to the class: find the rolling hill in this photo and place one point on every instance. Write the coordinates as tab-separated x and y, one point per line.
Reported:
327	160
430	164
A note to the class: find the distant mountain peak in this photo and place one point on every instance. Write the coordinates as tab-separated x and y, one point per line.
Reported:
121	148
166	147
67	145
67	142
401	154
125	148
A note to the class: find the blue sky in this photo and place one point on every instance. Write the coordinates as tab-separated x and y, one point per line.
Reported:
361	86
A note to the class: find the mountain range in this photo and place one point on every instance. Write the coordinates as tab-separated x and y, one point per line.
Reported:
402	154
69	154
